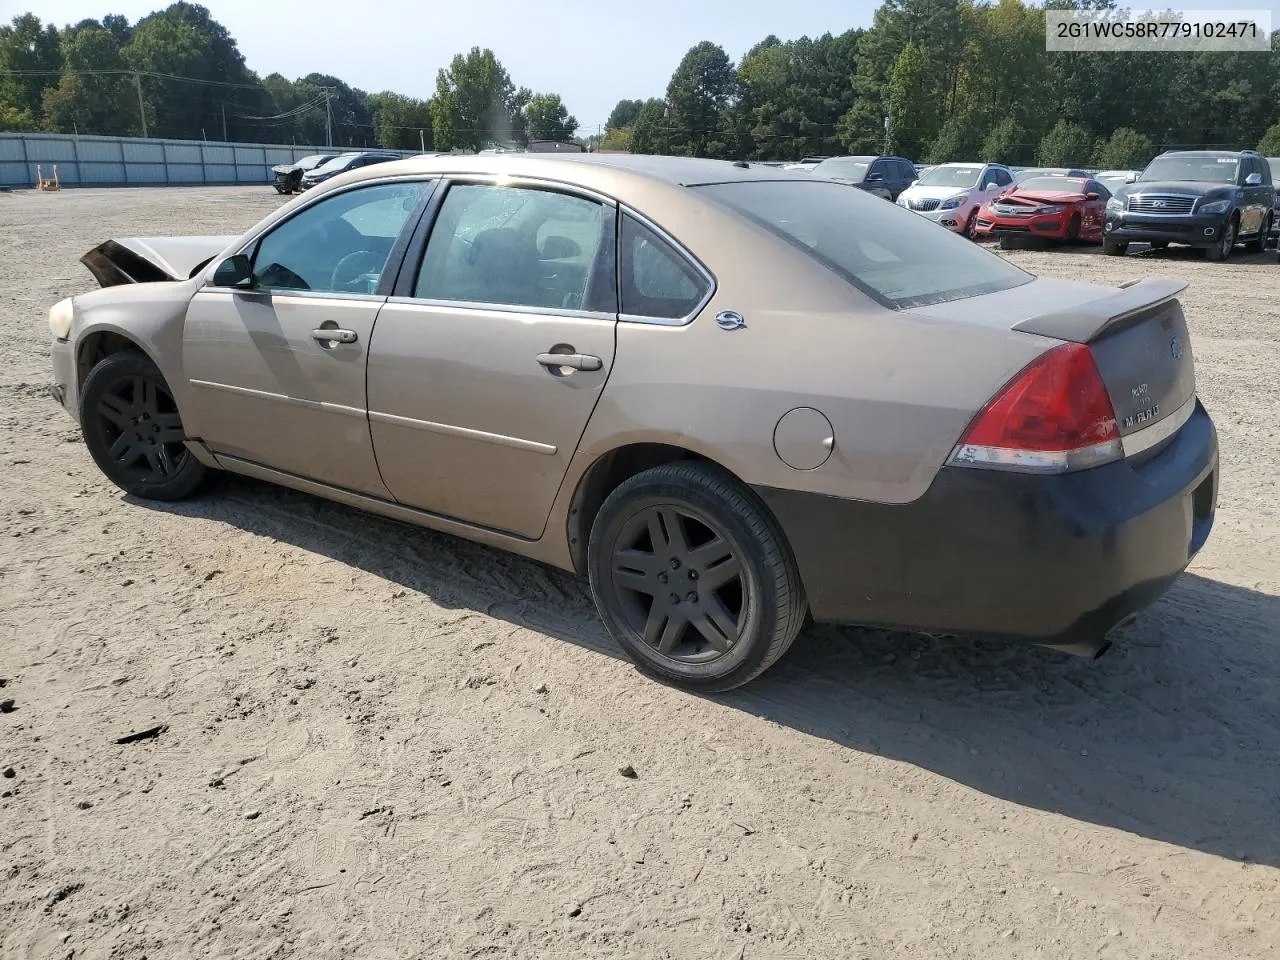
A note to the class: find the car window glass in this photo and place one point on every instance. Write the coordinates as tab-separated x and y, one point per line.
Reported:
901	259
520	247
657	281
879	168
1003	178
906	171
339	245
1095	186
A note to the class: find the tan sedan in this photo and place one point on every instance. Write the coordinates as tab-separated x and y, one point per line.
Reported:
731	396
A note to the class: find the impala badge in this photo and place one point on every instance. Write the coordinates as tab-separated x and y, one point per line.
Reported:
730	320
1175	348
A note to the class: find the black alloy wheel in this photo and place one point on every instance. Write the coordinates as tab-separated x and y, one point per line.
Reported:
679	582
133	430
693	577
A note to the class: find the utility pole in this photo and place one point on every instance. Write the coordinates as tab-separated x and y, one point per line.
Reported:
142	110
422	141
888	122
224	122
328	120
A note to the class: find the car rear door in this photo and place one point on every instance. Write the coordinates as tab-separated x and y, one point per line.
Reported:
490	356
277	367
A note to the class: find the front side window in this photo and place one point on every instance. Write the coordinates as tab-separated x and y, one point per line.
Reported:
339	245
898	258
657	280
520	246
851	169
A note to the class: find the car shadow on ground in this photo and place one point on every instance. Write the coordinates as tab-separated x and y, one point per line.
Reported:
1172	736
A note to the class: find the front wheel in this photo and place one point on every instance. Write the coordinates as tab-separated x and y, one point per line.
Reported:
132	429
693	577
1073	229
1114	248
1222	249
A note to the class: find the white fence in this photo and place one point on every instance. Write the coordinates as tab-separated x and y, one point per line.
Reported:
131	161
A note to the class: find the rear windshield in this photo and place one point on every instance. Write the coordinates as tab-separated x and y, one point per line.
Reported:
899	258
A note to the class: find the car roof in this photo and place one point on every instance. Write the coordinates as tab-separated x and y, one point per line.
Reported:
585	169
1208	154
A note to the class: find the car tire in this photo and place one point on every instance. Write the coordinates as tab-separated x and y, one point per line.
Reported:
1114	248
1259	243
133	431
1073	229
1159	244
1222	249
1008	243
971	227
693	577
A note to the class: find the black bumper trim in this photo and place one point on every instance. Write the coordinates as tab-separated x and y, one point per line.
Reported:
1057	560
1189	230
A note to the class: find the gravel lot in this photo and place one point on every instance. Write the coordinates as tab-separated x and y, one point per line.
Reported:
383	742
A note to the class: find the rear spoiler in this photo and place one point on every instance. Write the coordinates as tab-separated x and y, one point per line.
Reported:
1089	321
151	259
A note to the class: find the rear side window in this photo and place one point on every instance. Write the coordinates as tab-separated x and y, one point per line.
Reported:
657	281
893	255
515	246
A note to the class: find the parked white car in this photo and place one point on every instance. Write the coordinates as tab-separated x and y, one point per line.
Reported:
952	193
1113	180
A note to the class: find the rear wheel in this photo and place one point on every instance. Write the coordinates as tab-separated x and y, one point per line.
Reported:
1259	243
1114	248
1226	243
693	577
132	429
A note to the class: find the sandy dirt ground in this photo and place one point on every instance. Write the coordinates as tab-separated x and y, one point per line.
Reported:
383	742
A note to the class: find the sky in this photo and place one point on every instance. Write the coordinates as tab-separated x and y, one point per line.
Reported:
591	52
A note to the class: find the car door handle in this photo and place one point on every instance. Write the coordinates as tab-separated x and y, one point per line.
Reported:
576	361
331	334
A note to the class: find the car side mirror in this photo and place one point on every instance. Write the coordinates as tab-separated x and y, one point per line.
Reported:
1253	179
235	271
1131	178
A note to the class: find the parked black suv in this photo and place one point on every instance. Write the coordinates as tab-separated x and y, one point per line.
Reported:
1202	198
884	176
342	163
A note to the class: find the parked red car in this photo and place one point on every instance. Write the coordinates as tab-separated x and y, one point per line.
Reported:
1055	208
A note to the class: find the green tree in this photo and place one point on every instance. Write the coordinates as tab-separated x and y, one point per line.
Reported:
1269	145
400	122
624	114
1125	149
183	40
476	102
1006	143
650	134
699	96
958	140
913	110
30	58
616	140
546	118
1066	145
85	99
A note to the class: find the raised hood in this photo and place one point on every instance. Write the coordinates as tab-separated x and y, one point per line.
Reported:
151	259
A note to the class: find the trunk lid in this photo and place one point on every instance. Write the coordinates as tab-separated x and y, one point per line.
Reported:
151	259
1136	333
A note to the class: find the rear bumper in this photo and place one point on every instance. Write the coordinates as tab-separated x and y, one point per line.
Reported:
1195	231
1057	560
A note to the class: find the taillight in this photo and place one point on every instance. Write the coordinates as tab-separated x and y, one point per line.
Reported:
1052	417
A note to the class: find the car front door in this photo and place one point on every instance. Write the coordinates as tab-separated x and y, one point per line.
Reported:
490	356
878	179
277	365
1257	196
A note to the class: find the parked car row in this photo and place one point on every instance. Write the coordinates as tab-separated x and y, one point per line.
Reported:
1210	199
307	172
